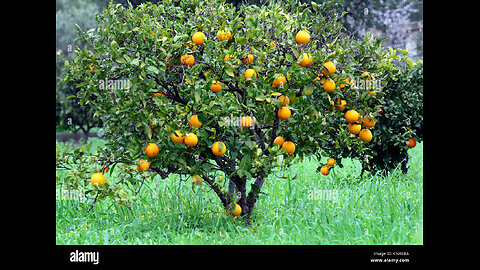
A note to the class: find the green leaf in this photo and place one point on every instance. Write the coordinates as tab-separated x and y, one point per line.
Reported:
114	45
230	71
135	62
307	90
241	41
153	69
197	96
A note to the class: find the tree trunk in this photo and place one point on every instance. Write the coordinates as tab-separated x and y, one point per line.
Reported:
404	165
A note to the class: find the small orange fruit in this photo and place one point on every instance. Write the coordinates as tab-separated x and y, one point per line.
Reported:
229	58
328	68
347	80
219	149
246	121
369	122
289	147
248	59
279	81
284	99
284	113
194	121
152	150
198	38
340	105
216	87
365	135
412	143
144	166
97	178
303	37
325	170
331	162
307	60
329	85
354	128
177	137
237	211
187	60
279	141
224	35
249	73
368	75
191	139
352	116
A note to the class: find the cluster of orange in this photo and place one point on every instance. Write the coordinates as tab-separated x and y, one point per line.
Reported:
219	148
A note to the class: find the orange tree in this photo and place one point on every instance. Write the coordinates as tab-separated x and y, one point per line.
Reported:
223	95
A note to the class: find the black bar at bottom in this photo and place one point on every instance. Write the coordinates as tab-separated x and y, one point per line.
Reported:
100	257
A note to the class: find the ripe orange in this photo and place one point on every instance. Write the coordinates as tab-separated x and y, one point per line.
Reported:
177	137
279	81
144	166
331	162
279	141
303	37
224	35
368	122
237	211
194	121
248	59
307	60
328	68
97	178
246	121
354	128
229	58
187	60
325	170
152	150
368	75
219	149
352	116
340	105
216	87
347	80
284	99
198	38
159	94
191	139
289	147
365	135
249	73
329	85
284	113
412	143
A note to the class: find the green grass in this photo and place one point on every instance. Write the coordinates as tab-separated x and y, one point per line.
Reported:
380	209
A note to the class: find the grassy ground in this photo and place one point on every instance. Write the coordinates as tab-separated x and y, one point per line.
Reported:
312	209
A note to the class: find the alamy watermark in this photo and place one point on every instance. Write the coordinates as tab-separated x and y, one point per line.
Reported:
233	121
108	84
368	85
323	195
70	195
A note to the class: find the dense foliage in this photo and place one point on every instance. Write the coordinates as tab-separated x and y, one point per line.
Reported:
139	75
